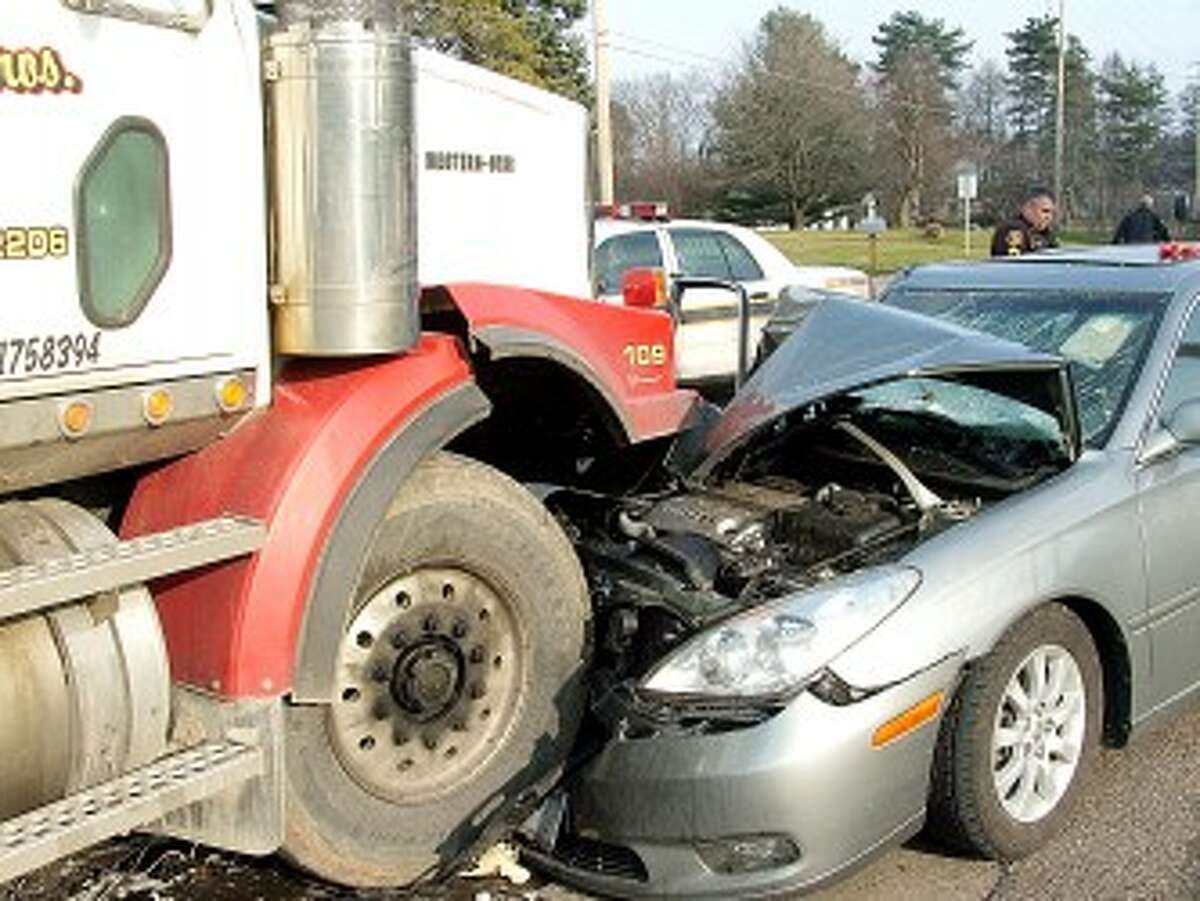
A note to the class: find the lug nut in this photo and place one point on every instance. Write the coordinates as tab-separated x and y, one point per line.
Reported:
477	654
477	691
399	639
431	623
460	629
430	743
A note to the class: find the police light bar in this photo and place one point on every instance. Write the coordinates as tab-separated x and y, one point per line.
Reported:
1179	251
644	210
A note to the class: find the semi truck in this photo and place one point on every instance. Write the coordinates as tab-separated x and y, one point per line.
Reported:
270	575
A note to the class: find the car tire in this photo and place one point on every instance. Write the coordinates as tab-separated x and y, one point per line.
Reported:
1018	739
459	682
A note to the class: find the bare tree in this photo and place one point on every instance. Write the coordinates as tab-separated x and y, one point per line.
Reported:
659	125
983	130
790	120
915	143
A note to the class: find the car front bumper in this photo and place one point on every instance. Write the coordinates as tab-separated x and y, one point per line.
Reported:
644	814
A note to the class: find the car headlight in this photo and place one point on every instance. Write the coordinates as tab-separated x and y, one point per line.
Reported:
775	649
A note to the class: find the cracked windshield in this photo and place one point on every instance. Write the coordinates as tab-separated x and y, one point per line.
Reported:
1104	338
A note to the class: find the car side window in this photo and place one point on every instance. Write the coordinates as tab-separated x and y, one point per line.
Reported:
699	253
744	267
620	253
1184	381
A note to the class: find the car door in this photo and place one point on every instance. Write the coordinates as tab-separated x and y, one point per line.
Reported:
706	339
1169	496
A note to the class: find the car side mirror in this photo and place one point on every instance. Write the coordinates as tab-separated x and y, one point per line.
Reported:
1181	429
1184	422
680	284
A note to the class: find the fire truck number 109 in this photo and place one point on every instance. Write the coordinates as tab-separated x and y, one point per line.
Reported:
645	354
33	243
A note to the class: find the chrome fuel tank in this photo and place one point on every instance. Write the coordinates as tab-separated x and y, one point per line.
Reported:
343	208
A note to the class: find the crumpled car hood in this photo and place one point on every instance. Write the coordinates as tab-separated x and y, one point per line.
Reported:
844	345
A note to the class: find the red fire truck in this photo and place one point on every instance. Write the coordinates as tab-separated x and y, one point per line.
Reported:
269	577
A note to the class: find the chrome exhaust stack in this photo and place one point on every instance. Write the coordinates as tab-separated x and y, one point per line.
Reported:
343	184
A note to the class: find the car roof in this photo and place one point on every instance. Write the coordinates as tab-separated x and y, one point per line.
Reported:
1135	268
606	226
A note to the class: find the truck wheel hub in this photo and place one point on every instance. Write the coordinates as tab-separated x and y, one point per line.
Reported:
429	679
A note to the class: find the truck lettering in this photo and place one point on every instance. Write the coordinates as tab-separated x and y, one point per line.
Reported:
33	242
29	71
458	161
645	354
49	353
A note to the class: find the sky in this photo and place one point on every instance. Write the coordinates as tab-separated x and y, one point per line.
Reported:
678	35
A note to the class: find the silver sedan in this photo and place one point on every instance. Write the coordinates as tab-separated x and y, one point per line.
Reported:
932	555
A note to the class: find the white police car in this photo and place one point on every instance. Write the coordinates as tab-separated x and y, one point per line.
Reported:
706	339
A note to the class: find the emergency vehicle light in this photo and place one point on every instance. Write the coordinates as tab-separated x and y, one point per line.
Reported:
1179	251
644	210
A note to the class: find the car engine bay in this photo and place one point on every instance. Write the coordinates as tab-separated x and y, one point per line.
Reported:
816	498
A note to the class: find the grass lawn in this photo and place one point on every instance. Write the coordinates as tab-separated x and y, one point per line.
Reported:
897	248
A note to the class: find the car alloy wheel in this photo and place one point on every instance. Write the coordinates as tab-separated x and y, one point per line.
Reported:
1038	733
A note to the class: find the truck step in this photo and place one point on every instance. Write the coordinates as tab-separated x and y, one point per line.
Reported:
41	836
36	586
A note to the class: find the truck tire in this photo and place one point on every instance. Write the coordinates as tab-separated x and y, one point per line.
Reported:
459	682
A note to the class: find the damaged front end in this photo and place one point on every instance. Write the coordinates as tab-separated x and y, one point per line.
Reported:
723	602
784	537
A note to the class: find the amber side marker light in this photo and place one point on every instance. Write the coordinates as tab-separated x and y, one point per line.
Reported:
75	418
157	406
913	718
231	394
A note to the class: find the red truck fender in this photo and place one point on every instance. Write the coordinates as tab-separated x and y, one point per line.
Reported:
319	468
625	354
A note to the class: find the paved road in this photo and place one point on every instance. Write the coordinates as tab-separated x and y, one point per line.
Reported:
1137	836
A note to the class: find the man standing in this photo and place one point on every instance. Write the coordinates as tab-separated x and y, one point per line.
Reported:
1141	225
1029	230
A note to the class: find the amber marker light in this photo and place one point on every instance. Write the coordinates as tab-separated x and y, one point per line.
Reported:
75	418
231	394
157	406
913	718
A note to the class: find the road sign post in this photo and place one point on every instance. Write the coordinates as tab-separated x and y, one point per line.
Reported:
968	190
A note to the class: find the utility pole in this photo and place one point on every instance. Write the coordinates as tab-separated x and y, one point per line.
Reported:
1196	189
1061	117
604	145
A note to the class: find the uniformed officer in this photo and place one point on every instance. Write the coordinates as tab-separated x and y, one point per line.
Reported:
1029	230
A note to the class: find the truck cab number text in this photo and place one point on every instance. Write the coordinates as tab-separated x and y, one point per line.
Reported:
33	242
645	354
22	356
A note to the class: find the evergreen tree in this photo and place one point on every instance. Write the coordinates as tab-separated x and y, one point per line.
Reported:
919	64
1135	118
531	40
908	32
1033	109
